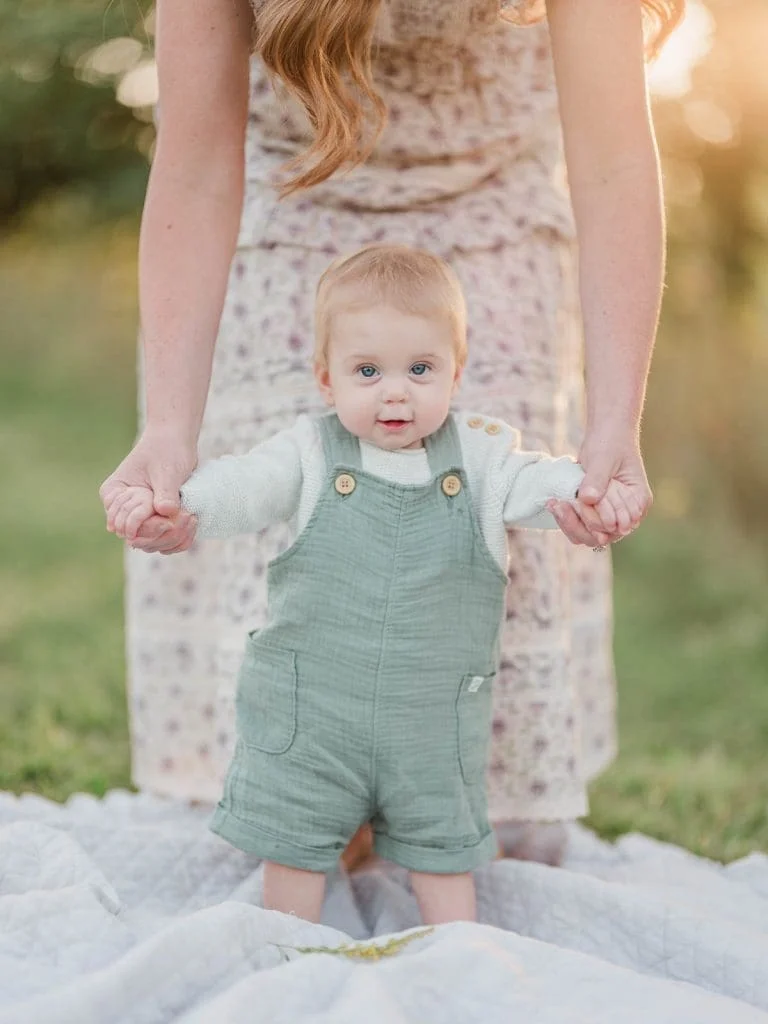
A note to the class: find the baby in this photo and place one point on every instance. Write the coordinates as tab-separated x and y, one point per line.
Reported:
367	694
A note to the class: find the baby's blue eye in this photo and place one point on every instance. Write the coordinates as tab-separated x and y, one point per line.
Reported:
419	369
368	372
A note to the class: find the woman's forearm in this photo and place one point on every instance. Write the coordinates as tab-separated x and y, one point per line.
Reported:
194	203
188	235
621	270
610	149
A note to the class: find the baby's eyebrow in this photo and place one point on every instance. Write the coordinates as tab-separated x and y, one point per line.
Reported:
367	357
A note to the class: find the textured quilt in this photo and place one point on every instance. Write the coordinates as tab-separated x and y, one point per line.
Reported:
127	910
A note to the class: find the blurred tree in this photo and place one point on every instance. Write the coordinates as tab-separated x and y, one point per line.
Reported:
60	121
709	378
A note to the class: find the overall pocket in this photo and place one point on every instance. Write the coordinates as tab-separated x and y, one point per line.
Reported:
265	702
474	708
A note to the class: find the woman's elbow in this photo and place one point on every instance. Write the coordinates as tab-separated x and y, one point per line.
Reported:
208	157
611	156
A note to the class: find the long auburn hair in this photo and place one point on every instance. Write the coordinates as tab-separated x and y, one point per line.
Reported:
321	51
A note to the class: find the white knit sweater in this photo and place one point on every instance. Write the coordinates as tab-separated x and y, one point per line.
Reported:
281	480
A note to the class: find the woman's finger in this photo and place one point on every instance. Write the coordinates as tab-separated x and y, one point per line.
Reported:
606	517
109	490
623	517
634	507
113	506
591	520
598	519
121	517
574	529
615	515
136	518
637	500
124	504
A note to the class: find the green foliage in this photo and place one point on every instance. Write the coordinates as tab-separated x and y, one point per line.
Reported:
366	952
707	415
55	127
67	338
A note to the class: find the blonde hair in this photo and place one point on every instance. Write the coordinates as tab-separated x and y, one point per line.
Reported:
321	50
412	280
661	18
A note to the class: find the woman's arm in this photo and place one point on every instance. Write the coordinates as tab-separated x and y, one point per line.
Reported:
188	235
194	202
615	188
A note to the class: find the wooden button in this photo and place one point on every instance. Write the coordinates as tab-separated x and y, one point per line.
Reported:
475	422
345	483
493	428
451	485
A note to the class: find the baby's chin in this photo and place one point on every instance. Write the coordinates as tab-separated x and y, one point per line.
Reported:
390	440
392	444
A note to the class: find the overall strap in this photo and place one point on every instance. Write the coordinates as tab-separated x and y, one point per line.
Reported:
444	448
339	446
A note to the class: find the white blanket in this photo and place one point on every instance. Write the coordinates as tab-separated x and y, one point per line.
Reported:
127	911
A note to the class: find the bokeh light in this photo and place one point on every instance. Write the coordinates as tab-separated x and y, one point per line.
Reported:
670	74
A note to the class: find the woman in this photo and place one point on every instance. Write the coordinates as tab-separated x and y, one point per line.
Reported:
466	165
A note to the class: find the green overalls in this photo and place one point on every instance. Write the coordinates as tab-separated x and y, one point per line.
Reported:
367	696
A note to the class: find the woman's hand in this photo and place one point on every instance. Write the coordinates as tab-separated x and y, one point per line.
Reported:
161	463
605	459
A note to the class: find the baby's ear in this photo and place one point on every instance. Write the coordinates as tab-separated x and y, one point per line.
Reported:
323	378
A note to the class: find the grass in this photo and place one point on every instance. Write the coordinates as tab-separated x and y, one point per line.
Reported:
65	395
692	658
691	644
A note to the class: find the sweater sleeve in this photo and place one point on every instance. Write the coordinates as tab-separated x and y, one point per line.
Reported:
511	487
531	479
239	494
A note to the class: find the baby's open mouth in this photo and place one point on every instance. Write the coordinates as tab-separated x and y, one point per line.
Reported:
394	424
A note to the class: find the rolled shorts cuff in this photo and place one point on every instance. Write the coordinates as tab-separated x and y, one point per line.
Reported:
434	860
267	846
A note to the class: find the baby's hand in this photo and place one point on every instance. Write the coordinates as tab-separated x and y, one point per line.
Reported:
615	509
168	536
130	510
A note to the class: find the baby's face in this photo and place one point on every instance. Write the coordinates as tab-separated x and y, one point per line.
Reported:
390	375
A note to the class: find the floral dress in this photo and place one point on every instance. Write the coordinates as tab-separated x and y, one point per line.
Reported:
469	166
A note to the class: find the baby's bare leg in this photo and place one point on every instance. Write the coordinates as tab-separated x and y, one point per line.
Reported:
445	898
293	891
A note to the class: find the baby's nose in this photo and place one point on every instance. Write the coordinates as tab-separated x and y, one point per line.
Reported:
395	390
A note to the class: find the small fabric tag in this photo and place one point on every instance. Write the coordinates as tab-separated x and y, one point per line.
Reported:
475	684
